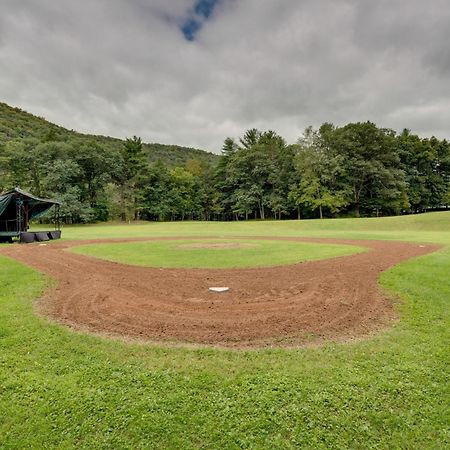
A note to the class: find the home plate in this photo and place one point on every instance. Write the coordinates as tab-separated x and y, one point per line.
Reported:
219	289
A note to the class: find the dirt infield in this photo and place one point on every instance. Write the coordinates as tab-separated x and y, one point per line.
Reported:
285	306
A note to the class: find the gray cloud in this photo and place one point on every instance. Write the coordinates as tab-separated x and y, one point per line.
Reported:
123	68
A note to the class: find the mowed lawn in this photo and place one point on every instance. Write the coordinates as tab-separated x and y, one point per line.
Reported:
215	253
60	389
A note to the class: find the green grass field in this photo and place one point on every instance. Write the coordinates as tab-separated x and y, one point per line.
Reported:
423	227
60	389
183	253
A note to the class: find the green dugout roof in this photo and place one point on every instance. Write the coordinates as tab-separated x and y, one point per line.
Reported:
36	206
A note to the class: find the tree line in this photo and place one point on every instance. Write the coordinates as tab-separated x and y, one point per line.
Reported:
355	170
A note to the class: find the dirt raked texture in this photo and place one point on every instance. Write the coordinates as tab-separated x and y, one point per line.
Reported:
283	306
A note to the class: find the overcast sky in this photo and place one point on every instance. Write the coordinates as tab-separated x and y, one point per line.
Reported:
192	72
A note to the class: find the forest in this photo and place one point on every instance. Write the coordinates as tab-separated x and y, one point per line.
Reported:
354	170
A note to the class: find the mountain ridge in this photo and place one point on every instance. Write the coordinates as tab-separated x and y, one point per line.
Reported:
16	123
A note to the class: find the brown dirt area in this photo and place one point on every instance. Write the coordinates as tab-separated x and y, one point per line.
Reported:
217	245
283	306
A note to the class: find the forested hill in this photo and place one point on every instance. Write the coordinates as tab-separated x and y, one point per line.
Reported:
18	124
357	169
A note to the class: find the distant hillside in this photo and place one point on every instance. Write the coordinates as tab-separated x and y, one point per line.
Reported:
16	124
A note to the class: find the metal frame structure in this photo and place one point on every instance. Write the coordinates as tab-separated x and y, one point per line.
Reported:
57	217
19	215
15	224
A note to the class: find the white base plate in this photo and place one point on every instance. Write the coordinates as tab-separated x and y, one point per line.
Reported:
219	289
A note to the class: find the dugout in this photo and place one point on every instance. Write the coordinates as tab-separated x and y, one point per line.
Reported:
18	208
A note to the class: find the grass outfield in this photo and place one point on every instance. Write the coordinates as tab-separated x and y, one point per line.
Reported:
431	227
183	253
60	389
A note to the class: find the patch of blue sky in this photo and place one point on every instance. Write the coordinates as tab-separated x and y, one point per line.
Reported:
205	7
197	16
190	28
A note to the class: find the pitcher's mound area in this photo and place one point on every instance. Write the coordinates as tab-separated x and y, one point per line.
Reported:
217	246
286	306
